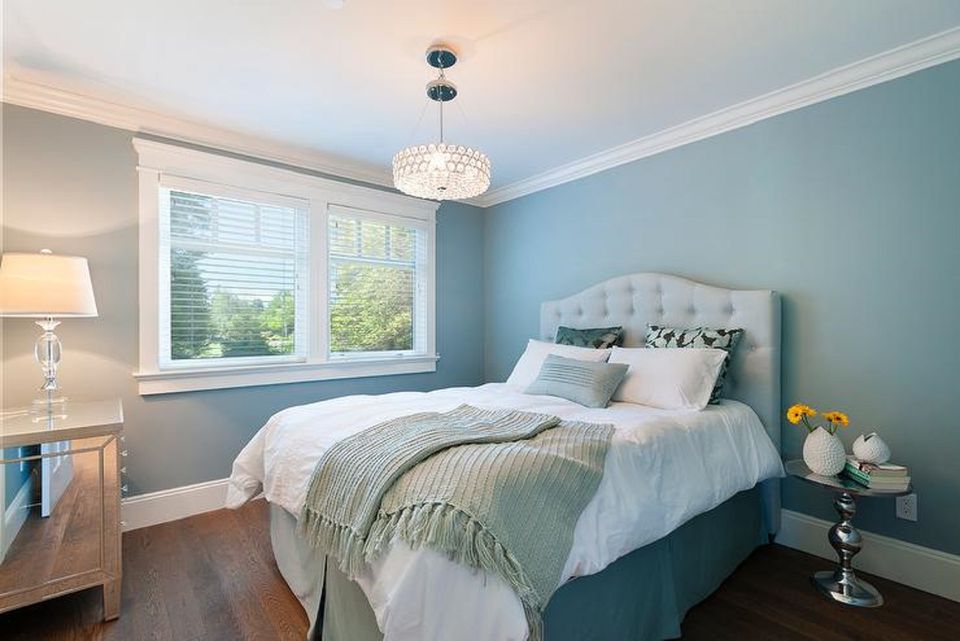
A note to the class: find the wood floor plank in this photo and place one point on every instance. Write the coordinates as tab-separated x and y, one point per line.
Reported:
184	611
287	617
213	578
150	621
241	573
203	574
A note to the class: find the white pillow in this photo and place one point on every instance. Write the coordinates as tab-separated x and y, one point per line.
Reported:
528	367
671	378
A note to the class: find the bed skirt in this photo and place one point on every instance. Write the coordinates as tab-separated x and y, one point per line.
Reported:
643	596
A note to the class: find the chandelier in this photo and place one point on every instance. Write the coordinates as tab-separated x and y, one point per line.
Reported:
441	170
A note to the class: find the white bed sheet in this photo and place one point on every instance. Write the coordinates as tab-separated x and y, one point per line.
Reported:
663	468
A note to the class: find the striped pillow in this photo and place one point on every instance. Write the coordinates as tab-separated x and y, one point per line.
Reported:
586	382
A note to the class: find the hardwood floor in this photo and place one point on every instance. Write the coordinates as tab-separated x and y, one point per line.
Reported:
212	577
770	597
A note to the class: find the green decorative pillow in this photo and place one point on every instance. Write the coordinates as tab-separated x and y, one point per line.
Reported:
698	337
596	337
586	382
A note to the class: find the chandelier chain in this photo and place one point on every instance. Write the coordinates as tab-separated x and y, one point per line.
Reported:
441	101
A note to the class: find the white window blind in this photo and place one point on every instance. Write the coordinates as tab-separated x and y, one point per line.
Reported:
377	270
289	278
235	273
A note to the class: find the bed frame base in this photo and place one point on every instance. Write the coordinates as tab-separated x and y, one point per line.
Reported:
643	596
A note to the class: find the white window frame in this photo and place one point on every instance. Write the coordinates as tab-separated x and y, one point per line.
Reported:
424	273
189	185
164	165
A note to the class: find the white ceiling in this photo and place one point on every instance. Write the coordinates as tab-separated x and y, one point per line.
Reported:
543	82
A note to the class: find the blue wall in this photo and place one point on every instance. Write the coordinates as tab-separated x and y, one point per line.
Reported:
850	208
71	186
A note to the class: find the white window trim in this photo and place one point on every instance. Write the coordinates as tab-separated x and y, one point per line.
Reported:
159	161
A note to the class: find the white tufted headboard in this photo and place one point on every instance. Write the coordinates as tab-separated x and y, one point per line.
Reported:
638	300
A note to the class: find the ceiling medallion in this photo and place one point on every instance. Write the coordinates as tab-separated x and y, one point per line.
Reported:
442	170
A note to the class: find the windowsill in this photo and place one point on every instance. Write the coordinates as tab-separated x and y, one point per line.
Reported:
171	381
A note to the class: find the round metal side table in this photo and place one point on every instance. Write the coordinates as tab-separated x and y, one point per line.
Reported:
842	584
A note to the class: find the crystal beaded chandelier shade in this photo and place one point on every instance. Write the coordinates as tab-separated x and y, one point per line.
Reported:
441	171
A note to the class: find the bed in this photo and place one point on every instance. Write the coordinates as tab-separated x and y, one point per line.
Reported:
684	498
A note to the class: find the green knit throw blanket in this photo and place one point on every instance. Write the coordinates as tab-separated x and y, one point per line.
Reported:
495	490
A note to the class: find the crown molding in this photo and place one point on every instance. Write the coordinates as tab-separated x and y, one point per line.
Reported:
178	161
909	58
26	93
915	56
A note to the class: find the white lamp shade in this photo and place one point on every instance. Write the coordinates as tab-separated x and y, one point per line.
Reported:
45	284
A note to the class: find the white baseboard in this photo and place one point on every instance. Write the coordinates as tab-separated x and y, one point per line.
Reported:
16	515
914	565
173	504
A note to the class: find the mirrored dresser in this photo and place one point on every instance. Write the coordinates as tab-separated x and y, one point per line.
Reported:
60	488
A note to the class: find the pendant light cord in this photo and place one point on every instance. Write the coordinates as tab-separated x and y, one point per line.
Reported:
440	88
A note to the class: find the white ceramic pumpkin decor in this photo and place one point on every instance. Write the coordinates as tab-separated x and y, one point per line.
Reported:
823	453
871	449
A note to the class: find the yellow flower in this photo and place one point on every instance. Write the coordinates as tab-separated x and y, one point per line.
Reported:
837	418
796	412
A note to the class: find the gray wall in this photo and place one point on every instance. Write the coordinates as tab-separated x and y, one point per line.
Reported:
71	186
850	208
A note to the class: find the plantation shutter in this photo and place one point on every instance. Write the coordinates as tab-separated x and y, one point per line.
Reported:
237	265
377	267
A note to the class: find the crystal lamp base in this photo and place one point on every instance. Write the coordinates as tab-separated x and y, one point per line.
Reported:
48	406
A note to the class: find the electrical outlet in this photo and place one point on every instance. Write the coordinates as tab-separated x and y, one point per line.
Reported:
907	507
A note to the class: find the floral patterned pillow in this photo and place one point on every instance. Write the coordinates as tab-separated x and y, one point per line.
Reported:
698	337
595	337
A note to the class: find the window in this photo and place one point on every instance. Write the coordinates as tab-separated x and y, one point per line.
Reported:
236	273
376	268
286	278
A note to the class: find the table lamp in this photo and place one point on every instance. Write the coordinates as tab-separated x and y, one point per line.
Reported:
46	286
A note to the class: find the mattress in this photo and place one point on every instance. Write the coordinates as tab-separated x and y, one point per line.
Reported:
663	468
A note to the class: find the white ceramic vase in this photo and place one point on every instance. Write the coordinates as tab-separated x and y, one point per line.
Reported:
871	449
823	452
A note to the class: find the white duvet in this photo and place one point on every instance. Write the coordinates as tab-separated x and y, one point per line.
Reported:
663	468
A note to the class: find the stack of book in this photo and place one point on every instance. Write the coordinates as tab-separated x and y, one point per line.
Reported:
885	476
